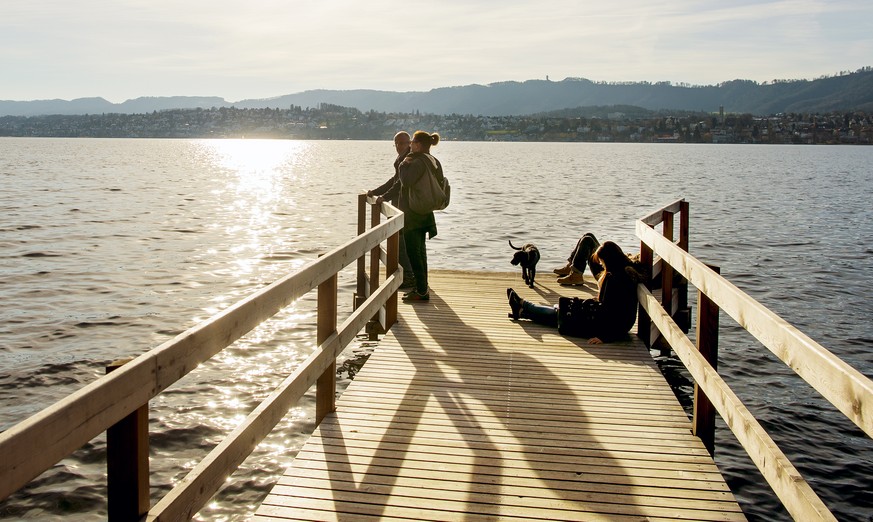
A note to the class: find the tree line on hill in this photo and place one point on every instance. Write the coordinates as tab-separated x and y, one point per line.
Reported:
845	91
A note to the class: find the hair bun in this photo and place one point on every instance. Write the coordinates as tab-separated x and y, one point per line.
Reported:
426	138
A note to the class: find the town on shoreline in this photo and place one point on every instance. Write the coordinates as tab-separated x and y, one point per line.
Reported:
595	124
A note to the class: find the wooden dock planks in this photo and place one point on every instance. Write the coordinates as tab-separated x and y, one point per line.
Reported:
463	414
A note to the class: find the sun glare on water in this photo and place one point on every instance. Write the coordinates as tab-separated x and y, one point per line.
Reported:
256	186
259	164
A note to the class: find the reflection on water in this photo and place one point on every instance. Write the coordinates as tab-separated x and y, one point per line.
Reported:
112	247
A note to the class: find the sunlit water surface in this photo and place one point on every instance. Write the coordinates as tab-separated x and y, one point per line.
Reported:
111	247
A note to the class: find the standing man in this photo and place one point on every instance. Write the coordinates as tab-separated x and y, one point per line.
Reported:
401	145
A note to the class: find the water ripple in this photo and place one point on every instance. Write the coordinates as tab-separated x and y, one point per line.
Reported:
112	247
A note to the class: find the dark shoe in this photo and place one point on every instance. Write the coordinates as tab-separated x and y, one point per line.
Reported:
415	296
564	270
515	302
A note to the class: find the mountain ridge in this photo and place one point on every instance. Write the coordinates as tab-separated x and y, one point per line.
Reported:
846	92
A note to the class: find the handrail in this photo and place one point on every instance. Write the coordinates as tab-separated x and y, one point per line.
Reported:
37	443
843	386
674	297
838	382
195	490
795	493
656	217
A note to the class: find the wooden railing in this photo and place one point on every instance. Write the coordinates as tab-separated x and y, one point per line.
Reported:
118	401
674	292
367	282
843	386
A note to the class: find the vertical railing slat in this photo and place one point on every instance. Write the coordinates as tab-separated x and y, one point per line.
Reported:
682	305
127	463
361	287
391	266
325	393
375	271
644	323
707	345
666	278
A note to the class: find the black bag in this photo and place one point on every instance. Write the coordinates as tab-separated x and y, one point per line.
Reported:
577	317
429	193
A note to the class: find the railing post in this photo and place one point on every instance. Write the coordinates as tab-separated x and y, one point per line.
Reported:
684	312
707	345
127	463
684	220
325	388
361	288
374	328
644	323
376	252
666	278
391	265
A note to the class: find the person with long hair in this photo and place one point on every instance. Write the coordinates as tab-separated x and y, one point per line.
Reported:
417	228
605	318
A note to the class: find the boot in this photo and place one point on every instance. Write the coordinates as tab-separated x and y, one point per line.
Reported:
575	277
564	270
515	304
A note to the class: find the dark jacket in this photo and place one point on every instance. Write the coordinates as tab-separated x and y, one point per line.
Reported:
610	316
410	172
382	189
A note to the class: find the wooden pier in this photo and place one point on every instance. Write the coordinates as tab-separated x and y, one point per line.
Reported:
463	414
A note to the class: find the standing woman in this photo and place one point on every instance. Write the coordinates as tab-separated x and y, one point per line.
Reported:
417	228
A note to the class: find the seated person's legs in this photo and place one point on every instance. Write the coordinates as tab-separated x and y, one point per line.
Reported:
581	257
585	248
521	309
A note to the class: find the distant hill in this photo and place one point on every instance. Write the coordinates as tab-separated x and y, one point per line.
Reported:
846	92
100	105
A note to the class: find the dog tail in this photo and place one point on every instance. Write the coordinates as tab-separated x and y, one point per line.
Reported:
513	246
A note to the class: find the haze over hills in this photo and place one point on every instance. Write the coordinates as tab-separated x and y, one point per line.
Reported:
845	92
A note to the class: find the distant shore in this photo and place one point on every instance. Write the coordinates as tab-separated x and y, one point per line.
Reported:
331	122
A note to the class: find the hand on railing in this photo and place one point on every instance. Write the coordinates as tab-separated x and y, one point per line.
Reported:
379	199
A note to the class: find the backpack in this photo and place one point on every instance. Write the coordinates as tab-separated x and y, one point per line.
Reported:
578	317
430	193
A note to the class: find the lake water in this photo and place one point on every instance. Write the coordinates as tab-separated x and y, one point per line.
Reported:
111	247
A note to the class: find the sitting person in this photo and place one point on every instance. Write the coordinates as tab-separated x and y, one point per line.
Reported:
605	318
571	273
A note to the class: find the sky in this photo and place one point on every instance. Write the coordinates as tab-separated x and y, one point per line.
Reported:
124	49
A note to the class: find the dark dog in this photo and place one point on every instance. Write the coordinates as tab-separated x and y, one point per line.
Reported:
527	256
